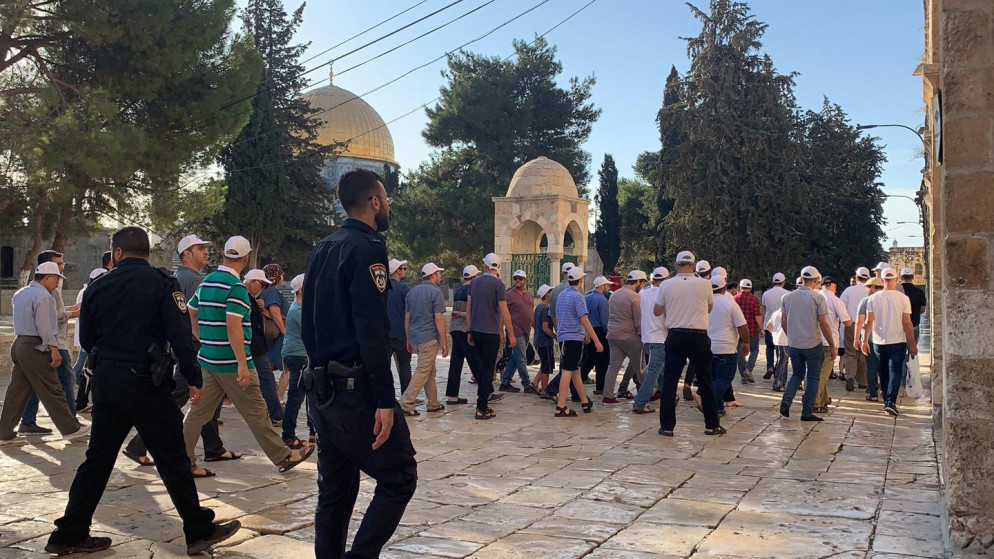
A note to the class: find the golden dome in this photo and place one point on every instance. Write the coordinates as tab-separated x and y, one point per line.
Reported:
349	118
542	177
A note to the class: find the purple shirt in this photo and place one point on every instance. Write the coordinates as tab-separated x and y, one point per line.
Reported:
486	292
522	309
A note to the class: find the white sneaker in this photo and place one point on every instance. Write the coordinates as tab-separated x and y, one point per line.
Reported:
83	431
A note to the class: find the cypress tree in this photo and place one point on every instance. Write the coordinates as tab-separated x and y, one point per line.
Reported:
608	227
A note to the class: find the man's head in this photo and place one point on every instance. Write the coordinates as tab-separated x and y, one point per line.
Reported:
703	269
236	253
779	279
636	280
889	275
853	281
731	287
192	251
718	285
601	283
543	293
48	275
828	284
470	272
685	262
364	197
430	272
491	263
811	277
874	285
659	274
567	266
297	287
256	281
575	278
519	279
129	242
397	269
862	274
106	262
907	275
879	268
745	284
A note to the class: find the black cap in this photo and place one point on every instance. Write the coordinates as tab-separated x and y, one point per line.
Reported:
827	280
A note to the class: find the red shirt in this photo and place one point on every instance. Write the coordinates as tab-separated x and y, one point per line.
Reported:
750	308
615	280
521	307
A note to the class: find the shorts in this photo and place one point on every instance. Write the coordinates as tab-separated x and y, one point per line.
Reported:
842	352
548	359
572	351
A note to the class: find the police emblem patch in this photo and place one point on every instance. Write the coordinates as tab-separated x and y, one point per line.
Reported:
180	300
379	273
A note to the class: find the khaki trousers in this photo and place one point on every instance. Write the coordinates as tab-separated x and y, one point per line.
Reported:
630	348
855	360
826	371
33	371
247	401
423	377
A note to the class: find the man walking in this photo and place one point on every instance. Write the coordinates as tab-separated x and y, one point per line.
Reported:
487	320
653	344
730	337
521	307
424	324
888	317
396	305
754	320
772	299
461	350
599	315
684	303
837	316
853	355
917	298
805	320
624	335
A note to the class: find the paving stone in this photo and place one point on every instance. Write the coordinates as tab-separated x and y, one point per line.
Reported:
23	530
436	546
923	526
810	498
759	534
543	497
906	545
682	512
656	538
269	547
528	546
627	493
599	511
467	531
596	532
602	553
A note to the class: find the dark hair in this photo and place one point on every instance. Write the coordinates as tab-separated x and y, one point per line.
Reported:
131	240
48	256
908	276
356	187
732	285
39	277
574	282
105	259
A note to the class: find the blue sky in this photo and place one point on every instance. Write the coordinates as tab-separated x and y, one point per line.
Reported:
858	53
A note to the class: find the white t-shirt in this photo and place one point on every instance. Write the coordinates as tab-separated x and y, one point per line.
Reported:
775	326
653	330
888	308
723	323
852	296
75	335
773	300
837	315
686	299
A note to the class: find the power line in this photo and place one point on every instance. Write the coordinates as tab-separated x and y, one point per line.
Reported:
363	32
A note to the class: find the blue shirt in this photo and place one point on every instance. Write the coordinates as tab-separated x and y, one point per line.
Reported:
542	317
423	303
292	344
597	304
396	297
570	306
35	315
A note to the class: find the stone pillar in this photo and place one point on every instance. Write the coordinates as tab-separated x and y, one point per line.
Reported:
966	236
555	261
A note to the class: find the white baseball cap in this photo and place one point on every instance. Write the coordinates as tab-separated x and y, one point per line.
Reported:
799	280
429	269
567	266
257	274
779	278
49	269
810	272
237	247
862	272
719	271
598	281
97	272
543	290
395	264
297	283
717	282
470	271
685	257
189	241
881	266
703	266
492	261
907	272
519	274
888	273
746	284
660	273
636	275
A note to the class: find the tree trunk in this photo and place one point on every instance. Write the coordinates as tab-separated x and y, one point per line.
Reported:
254	255
29	258
59	241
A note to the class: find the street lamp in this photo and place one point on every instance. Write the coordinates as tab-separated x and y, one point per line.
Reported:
913	131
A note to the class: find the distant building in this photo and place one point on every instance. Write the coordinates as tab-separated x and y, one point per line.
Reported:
908	257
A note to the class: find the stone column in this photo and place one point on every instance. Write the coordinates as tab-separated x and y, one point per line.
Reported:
966	236
555	261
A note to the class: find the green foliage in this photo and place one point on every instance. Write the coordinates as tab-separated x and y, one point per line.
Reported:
607	234
637	200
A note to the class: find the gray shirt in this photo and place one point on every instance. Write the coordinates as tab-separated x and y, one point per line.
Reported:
63	317
554	296
189	280
35	315
486	292
802	308
422	304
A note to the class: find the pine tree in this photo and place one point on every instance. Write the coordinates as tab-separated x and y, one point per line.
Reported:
607	234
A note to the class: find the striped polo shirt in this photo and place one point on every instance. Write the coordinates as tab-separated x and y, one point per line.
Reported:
222	293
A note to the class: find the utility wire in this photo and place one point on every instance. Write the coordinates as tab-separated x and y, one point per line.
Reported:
363	32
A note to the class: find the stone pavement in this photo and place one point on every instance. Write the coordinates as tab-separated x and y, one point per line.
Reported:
526	484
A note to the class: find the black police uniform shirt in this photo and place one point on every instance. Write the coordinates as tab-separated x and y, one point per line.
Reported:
132	307
258	345
344	316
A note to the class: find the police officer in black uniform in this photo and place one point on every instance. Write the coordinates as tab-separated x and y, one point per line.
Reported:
129	317
350	393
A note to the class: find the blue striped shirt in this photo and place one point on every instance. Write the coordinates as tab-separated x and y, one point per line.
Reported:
570	306
597	304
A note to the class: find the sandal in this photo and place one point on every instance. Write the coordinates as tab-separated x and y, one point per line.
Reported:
872	399
436	408
294	443
642	410
141	460
412	413
486	414
665	433
225	456
207	473
289	463
626	395
457	402
564	412
587	407
719	430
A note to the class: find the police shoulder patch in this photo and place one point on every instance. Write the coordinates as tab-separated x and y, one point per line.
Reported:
379	273
180	300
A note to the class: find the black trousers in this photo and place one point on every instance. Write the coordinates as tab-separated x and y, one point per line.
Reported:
121	401
209	433
398	348
345	429
484	359
681	347
461	352
597	362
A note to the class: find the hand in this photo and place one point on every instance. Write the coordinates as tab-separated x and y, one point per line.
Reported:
586	339
598	346
243	376
261	304
513	341
195	395
410	348
469	339
56	358
865	348
445	350
744	348
382	426
913	352
832	350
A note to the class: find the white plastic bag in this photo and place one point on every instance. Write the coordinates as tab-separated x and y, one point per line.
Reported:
913	384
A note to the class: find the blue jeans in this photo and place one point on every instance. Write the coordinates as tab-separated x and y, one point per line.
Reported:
652	379
294	395
267	384
66	379
873	371
753	356
891	369
770	349
807	366
276	353
517	362
723	372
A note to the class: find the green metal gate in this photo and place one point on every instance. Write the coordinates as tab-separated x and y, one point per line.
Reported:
536	267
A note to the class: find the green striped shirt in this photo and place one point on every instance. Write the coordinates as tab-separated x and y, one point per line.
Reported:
221	294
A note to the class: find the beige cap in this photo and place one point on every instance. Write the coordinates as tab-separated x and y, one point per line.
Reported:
189	241
257	274
297	283
237	247
429	269
395	264
49	269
